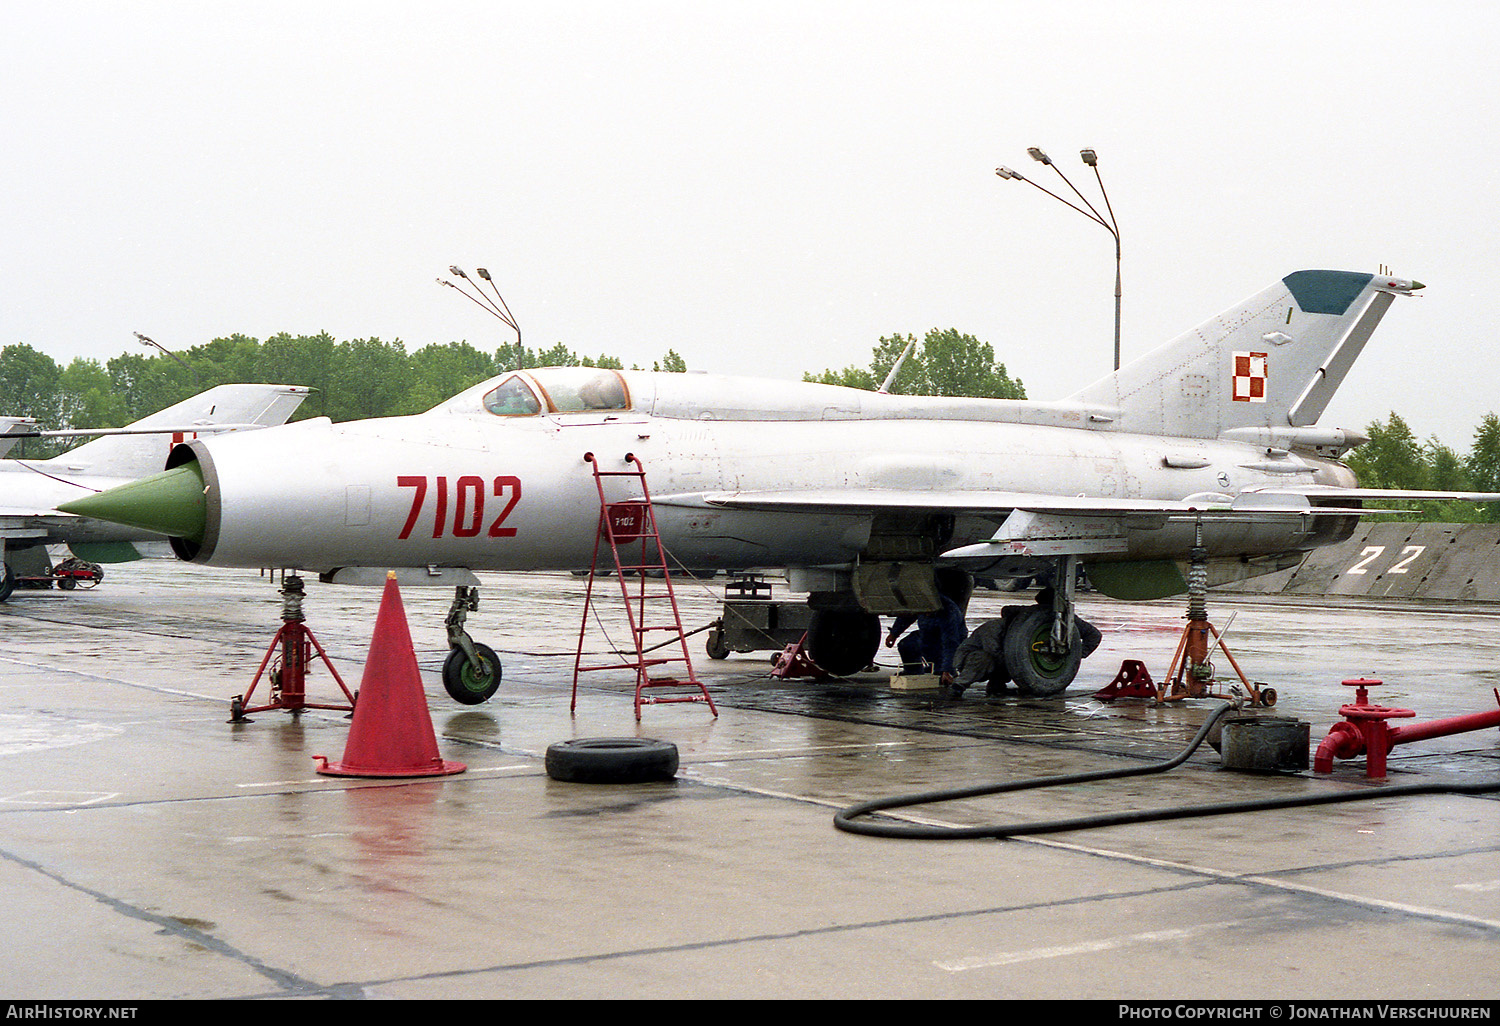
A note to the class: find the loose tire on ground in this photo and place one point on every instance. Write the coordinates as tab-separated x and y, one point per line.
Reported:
611	760
1034	669
468	684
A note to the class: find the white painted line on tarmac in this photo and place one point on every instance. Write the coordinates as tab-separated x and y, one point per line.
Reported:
810	749
1085	947
58	797
1478	888
1273	883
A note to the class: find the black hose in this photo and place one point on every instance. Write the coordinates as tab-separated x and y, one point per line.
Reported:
845	819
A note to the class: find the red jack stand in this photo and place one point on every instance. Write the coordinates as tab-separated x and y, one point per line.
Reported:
289	675
795	662
1133	681
1364	730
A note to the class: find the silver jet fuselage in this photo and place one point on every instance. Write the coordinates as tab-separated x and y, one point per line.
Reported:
494	493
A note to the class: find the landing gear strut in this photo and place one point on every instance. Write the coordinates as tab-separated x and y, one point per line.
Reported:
471	673
1042	647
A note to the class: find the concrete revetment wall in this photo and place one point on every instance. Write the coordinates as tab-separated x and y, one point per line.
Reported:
1429	561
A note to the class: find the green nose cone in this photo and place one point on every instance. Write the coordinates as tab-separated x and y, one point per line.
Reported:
169	503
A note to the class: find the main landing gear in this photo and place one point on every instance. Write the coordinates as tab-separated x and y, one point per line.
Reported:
1039	661
471	673
1042	647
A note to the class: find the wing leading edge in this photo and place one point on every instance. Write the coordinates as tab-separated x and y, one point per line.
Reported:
874	500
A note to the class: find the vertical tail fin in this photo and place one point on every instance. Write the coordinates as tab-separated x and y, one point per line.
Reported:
1273	361
138	455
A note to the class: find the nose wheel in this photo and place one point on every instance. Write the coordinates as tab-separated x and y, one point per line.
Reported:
471	680
471	673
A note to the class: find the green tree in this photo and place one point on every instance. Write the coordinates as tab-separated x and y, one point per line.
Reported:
29	388
671	363
86	397
947	363
518	357
367	379
1446	471
1392	458
226	360
1483	463
146	384
300	360
437	373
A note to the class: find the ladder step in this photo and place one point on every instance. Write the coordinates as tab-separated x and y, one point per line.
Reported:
630	666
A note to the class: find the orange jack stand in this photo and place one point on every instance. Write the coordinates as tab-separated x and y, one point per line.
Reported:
296	643
1191	674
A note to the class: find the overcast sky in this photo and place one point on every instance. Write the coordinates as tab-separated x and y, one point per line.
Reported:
765	187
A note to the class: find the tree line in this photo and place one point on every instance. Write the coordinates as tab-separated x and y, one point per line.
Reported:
1395	458
369	377
352	380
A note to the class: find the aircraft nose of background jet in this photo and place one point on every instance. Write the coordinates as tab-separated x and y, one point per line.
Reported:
169	503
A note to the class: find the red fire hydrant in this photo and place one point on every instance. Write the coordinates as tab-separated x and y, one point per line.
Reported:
1365	730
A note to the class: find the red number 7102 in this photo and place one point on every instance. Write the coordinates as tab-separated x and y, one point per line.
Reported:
468	505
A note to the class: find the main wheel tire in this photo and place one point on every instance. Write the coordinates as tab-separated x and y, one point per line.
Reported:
7	581
843	641
1033	667
468	684
611	760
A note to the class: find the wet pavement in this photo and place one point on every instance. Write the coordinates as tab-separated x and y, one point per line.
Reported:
150	849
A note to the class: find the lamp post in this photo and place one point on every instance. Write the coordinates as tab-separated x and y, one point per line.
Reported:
152	342
1092	160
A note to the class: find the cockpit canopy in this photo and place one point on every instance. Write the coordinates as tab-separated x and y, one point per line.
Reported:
558	390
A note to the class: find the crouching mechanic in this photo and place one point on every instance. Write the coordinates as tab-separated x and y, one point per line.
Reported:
933	646
981	656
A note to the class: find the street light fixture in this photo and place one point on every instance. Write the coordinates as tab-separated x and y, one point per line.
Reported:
152	342
1110	225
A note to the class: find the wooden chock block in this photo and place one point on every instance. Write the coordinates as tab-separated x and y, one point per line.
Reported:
915	681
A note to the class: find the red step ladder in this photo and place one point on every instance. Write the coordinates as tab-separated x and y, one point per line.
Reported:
646	585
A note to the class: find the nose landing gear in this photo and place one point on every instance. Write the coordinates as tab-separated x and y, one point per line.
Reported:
471	673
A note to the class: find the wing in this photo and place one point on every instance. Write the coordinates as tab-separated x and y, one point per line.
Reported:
1038	524
1003	503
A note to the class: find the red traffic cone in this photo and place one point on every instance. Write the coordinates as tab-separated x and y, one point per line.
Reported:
392	733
